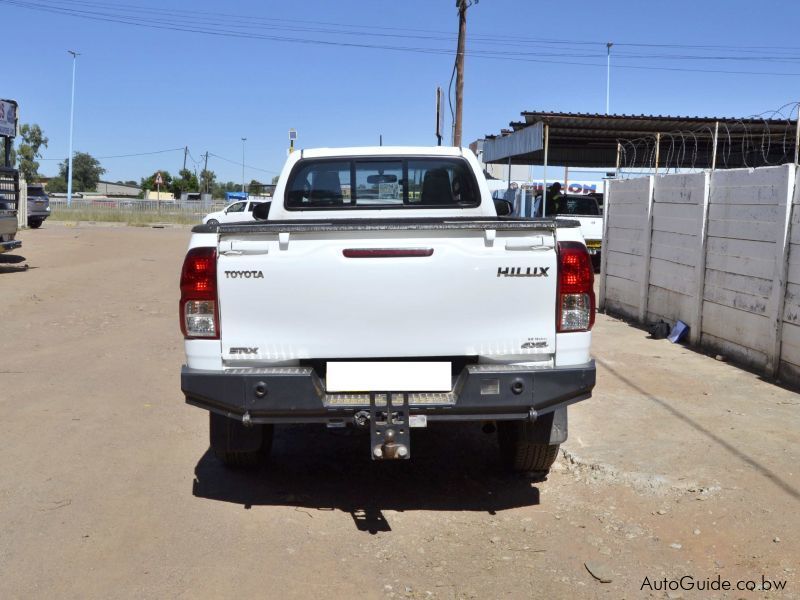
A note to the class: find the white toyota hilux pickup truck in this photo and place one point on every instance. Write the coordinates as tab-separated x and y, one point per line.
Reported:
384	289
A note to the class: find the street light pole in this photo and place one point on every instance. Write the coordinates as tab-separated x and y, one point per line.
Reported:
71	120
608	74
244	139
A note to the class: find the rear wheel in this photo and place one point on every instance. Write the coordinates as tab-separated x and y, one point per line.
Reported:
522	449
239	446
35	223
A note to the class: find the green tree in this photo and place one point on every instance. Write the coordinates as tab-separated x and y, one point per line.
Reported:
149	183
86	172
207	180
228	186
186	182
57	184
255	188
29	150
275	179
13	159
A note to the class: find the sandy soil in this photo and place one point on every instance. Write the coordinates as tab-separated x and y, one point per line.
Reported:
680	465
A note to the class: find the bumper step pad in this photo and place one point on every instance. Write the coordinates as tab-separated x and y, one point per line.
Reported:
389	431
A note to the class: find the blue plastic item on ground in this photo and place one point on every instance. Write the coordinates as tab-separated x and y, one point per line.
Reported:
678	332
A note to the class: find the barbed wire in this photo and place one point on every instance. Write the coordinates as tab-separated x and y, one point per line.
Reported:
760	140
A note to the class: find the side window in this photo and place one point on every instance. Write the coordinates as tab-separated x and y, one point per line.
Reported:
440	183
251	206
320	184
236	207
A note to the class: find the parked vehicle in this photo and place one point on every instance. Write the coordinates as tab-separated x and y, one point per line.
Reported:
585	210
38	205
8	212
381	290
235	212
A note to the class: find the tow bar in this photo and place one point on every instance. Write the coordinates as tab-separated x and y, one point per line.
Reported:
389	433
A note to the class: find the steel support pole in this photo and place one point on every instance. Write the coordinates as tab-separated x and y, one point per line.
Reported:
544	174
797	137
619	152
608	75
658	151
71	121
243	141
714	149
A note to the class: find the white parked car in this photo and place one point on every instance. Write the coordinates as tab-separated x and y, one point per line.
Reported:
386	289
235	212
586	211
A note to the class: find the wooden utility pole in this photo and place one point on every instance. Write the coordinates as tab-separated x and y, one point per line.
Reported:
185	152
462	39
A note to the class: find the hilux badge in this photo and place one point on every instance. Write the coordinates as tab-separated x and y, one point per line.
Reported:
518	272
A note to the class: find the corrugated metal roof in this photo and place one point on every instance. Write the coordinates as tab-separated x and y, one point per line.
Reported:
590	139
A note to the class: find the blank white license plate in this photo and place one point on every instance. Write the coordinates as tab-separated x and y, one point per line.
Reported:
388	377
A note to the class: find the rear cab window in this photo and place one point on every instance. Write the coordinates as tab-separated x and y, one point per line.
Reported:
578	206
381	183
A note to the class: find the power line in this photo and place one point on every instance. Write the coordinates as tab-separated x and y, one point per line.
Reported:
69	9
238	163
126	155
370	29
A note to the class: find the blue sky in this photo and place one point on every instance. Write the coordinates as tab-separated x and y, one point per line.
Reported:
141	89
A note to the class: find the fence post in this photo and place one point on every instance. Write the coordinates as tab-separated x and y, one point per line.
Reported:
778	299
645	288
601	302
696	326
22	204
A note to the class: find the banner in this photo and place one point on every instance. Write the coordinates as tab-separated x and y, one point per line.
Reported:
8	118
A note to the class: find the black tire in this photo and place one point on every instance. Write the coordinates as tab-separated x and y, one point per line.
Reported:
35	223
212	222
520	452
238	446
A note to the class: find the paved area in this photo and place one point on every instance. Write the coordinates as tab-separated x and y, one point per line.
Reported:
680	466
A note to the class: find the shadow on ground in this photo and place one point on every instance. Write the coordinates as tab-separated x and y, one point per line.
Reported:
453	468
12	263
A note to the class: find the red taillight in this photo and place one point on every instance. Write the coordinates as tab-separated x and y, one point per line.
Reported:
575	306
198	305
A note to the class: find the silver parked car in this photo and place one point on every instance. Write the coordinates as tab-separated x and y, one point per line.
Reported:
38	205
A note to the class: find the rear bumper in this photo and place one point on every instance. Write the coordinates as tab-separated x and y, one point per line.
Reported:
38	214
8	246
297	394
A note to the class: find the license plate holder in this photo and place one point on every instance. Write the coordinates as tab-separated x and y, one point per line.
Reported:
398	376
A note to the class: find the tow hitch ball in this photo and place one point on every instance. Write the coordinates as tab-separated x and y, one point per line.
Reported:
390	449
389	433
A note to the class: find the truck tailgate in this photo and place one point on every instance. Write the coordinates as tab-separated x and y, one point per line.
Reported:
317	294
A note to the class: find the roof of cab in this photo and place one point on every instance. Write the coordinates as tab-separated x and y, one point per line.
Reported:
382	151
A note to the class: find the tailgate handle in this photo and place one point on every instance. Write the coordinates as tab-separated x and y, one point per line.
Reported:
530	243
238	247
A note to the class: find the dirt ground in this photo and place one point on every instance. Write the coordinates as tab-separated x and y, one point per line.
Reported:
679	466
